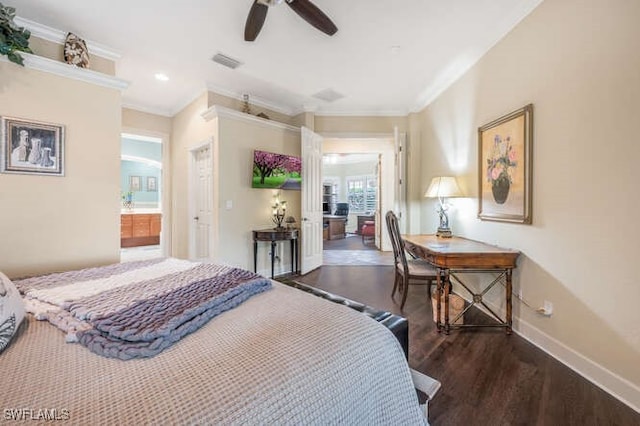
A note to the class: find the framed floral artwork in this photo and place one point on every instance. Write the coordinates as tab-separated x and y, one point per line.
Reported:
504	169
32	147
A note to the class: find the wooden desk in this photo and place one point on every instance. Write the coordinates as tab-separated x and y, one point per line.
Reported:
273	236
336	226
453	255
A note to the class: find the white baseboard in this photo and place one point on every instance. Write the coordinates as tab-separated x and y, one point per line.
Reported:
615	385
607	380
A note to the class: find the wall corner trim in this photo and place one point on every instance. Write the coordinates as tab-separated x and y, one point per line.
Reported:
62	69
219	111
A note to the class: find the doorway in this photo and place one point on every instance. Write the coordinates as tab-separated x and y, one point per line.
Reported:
142	190
358	173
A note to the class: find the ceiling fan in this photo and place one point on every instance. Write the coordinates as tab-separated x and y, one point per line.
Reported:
307	11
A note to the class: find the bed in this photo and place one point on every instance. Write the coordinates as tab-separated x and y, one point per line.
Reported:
282	356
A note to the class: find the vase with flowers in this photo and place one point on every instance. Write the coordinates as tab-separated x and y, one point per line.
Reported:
127	200
500	164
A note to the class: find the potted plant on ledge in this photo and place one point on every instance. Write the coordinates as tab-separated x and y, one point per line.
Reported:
13	39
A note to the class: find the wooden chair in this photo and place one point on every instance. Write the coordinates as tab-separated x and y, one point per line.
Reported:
416	270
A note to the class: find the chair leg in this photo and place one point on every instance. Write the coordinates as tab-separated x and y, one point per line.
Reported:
405	290
395	284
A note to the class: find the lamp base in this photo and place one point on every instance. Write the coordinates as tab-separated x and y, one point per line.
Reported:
444	233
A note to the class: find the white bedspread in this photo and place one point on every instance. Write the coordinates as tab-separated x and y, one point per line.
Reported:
282	357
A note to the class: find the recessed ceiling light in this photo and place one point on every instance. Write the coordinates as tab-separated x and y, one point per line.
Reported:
395	49
162	77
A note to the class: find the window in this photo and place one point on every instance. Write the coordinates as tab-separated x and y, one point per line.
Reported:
362	193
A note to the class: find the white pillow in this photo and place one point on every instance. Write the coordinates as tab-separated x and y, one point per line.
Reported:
11	310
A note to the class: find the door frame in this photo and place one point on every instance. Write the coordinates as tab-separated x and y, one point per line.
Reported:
165	183
359	145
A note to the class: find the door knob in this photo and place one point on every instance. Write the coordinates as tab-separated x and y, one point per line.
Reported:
196	218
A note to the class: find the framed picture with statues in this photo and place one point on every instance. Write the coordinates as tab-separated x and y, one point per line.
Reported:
32	147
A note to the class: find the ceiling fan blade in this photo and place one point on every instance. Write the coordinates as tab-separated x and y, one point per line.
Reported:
255	20
310	13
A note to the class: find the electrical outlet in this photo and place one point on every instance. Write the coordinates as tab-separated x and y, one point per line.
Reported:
546	310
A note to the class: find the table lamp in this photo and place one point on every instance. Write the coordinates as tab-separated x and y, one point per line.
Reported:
442	187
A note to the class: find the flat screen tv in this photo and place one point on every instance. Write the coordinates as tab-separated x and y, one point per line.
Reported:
280	171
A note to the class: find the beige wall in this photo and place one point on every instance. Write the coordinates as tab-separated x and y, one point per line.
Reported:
233	141
52	223
577	61
188	130
251	206
151	124
358	125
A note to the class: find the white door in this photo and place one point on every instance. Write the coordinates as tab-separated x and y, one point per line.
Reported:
311	228
400	141
378	214
201	203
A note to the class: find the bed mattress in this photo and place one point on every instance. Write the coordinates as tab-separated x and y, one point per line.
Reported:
282	357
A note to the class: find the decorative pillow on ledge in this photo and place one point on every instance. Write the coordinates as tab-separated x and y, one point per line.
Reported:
11	310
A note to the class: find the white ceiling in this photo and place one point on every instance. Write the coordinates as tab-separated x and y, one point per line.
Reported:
387	58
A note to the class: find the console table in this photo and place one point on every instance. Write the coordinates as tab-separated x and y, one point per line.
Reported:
273	236
460	255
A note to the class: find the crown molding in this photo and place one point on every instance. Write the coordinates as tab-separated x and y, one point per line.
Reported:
362	113
253	100
50	66
59	37
146	109
217	111
188	100
455	72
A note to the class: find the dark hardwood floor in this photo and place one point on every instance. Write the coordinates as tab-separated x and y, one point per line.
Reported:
488	378
350	242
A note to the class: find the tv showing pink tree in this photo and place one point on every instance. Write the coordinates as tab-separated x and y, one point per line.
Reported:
271	170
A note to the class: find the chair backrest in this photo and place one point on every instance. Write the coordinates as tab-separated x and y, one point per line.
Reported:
396	241
342	209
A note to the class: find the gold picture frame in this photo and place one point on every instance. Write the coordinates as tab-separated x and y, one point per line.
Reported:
505	166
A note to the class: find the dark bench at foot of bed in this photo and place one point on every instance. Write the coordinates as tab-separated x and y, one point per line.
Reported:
398	325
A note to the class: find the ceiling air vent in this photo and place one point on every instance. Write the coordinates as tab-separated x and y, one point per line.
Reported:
226	61
328	95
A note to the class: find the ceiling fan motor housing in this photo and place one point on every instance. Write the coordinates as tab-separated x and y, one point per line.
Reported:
270	2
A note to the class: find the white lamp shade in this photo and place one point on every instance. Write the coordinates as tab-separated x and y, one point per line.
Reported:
443	186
